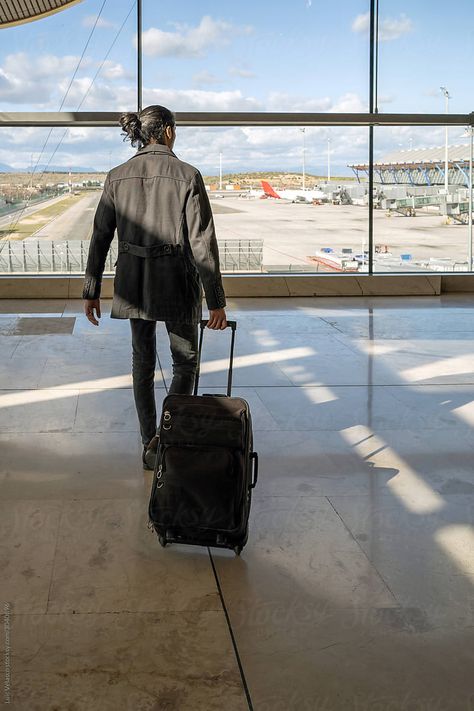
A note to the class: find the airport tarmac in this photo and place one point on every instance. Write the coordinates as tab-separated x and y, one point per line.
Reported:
292	233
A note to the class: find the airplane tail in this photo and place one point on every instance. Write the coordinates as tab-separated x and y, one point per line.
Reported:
268	190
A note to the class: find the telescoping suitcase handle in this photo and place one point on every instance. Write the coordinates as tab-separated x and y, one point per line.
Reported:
233	326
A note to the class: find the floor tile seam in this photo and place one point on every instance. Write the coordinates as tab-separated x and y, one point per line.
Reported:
350	346
333	326
372	565
231	633
160	611
287	377
256	429
75	411
56	543
17	345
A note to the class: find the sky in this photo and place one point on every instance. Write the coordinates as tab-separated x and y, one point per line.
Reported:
260	55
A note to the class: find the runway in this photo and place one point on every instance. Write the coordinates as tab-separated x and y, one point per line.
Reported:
20	214
74	224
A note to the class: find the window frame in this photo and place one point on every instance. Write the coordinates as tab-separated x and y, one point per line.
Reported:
371	119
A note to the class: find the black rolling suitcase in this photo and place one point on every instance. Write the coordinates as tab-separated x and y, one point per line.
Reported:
205	467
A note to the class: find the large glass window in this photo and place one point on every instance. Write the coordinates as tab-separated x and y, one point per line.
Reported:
291	56
82	58
424	46
286	198
298	196
47	208
421	216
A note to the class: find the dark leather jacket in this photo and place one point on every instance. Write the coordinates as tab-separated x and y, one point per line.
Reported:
167	240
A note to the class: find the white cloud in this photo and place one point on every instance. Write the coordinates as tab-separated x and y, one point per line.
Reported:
32	81
199	100
243	148
350	103
89	21
241	72
103	96
271	148
112	70
205	77
361	23
189	41
389	29
398	138
40	82
45	66
280	101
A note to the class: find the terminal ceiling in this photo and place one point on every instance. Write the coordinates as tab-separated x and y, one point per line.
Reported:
15	12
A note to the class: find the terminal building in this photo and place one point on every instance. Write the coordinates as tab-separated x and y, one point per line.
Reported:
419	167
353	306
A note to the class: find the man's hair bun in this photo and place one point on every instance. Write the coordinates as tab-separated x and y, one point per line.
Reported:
149	124
132	127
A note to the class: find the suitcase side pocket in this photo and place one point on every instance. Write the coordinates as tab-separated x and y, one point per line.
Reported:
201	489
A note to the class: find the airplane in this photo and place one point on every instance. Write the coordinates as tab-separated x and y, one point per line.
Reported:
306	196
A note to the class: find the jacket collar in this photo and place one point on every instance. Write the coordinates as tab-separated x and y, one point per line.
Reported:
155	148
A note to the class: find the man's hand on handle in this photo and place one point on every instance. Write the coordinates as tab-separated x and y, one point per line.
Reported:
217	319
91	305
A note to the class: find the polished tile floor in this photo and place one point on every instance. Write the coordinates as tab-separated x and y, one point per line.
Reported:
356	589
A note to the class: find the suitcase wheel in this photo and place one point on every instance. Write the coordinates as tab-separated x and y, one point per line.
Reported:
162	540
238	549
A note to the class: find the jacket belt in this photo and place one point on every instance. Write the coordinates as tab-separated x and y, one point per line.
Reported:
156	250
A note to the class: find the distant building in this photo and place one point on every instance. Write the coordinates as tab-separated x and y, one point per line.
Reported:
419	166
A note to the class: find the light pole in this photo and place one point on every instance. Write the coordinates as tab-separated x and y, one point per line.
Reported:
303	130
220	171
329	159
447	97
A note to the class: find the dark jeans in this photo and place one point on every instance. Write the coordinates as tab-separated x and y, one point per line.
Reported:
183	339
